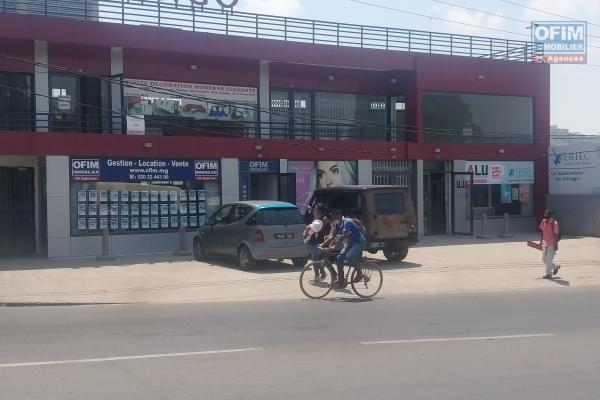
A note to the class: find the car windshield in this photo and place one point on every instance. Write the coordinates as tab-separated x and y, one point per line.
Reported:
279	216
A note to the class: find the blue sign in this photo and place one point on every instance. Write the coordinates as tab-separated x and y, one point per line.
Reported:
143	170
505	193
560	42
260	166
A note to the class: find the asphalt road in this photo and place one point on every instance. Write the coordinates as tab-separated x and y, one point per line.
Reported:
541	344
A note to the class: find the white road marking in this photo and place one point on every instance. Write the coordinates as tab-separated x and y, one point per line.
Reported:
139	357
459	339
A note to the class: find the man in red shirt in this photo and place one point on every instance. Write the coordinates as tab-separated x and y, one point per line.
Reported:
550	236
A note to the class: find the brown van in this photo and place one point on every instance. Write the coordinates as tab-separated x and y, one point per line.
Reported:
387	212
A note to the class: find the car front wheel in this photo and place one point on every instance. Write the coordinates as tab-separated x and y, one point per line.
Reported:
198	250
245	258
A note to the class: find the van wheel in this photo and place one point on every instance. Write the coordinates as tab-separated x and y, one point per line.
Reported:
396	254
299	262
245	258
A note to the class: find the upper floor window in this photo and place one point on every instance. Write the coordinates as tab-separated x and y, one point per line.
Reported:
16	102
476	118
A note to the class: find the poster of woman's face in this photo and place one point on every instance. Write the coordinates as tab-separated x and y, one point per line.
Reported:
336	173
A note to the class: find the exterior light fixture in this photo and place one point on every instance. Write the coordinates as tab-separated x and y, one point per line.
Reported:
437	150
258	147
393	149
148	145
193	67
480	77
331	77
321	149
394	80
501	151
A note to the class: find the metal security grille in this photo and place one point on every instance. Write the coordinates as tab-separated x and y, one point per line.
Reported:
392	173
17	211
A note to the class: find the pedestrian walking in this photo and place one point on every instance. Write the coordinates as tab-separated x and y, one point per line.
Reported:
549	242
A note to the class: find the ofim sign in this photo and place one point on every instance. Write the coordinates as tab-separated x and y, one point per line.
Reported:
560	42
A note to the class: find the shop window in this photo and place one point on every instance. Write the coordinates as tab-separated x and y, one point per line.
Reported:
496	200
475	118
16	102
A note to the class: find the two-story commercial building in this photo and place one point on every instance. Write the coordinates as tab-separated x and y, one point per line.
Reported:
141	117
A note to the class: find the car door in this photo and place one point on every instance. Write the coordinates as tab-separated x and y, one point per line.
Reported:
238	229
218	225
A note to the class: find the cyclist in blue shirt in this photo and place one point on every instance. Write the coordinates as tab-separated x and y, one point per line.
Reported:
353	232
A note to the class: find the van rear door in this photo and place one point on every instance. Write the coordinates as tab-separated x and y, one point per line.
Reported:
387	218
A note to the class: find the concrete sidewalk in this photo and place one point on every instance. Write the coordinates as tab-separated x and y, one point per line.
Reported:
437	265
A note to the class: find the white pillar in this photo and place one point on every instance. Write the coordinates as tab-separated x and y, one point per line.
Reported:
230	179
58	206
420	200
365	172
283	166
116	68
264	90
42	99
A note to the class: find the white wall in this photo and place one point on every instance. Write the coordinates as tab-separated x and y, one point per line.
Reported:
41	84
365	172
230	179
58	206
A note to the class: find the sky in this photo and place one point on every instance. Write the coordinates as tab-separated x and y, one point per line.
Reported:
574	104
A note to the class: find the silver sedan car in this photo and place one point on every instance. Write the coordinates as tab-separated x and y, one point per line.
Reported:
251	231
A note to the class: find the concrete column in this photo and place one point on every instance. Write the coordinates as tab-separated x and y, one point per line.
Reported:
420	200
58	206
41	84
230	179
365	172
283	166
264	101
116	68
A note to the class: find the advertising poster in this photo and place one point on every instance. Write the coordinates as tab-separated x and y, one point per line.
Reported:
92	224
524	193
114	209
135	196
193	221
114	223
92	209
92	196
81	209
574	168
81	224
174	209
193	208
154	209
103	223
164	222
183	221
145	196
103	209
154	223
124	195
173	195
183	208
135	209
515	194
183	195
192	195
114	196
505	194
305	181
164	209
81	195
145	209
174	222
124	223
103	194
336	173
135	223
124	209
145	223
154	195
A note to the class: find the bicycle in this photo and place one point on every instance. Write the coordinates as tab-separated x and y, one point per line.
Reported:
365	286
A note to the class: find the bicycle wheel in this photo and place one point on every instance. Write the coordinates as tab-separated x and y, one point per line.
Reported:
370	283
313	284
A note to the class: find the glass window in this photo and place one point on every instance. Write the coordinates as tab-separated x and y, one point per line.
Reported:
389	203
475	118
16	102
497	200
279	216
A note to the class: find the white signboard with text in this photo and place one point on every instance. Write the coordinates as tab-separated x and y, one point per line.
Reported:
501	172
574	168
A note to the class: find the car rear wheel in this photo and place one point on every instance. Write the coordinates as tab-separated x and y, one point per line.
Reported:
398	254
198	250
245	258
299	261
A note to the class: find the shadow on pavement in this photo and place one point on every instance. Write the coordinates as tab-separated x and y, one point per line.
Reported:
562	282
386	265
262	267
38	263
456	240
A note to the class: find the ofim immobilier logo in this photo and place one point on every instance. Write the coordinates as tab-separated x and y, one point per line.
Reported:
560	42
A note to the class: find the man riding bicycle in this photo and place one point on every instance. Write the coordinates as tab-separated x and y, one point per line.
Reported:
352	231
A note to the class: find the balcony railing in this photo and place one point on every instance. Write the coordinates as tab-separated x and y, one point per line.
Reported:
116	123
186	16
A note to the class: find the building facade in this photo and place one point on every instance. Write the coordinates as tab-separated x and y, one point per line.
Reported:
112	122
